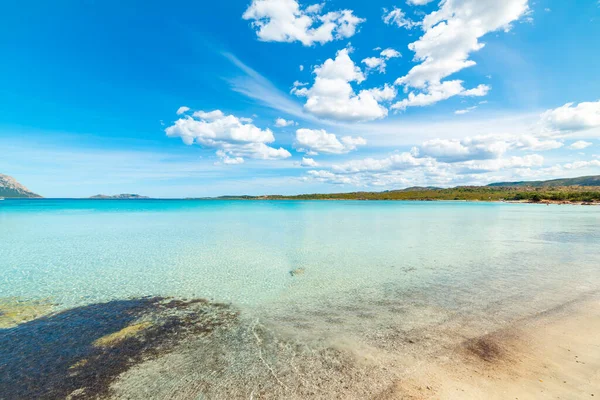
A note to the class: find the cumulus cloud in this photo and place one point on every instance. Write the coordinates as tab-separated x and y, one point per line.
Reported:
572	118
281	123
309	162
580	145
390	53
451	34
379	63
439	91
287	21
234	138
410	169
182	110
397	17
316	141
331	96
483	147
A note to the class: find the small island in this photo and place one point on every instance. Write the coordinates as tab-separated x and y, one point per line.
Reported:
122	196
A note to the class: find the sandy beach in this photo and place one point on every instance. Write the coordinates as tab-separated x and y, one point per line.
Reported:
553	355
189	350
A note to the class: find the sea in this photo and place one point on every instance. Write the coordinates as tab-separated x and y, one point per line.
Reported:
361	272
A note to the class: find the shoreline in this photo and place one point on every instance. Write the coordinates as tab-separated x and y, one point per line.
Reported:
542	202
554	354
158	348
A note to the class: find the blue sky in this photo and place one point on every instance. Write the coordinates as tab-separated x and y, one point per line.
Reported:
370	95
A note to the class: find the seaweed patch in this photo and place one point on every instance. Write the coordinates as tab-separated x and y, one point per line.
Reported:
78	353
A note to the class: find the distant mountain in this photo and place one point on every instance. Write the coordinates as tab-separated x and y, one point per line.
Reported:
9	187
123	196
581	181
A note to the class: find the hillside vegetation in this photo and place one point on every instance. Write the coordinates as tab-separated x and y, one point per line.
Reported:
580	191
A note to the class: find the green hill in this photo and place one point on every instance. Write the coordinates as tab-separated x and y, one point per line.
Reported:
581	181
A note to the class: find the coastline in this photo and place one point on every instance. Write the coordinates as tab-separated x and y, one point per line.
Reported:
284	199
552	354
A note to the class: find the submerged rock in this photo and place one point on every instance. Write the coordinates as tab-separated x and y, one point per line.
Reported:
14	311
78	353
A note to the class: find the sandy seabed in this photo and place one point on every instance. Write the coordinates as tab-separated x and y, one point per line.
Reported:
158	348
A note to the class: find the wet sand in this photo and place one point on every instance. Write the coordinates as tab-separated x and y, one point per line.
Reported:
553	355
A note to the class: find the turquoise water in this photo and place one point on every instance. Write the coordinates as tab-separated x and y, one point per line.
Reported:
76	252
387	287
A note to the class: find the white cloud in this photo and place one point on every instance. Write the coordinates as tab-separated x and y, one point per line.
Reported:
580	145
582	164
182	110
451	34
409	169
570	118
379	63
375	63
398	17
281	123
455	150
234	138
482	147
317	141
332	96
465	110
225	159
418	2
483	166
400	161
301	67
390	53
287	21
387	93
309	162
436	92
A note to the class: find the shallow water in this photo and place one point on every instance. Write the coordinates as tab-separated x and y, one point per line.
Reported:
81	251
375	273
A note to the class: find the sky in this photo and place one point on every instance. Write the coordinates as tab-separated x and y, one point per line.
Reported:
197	98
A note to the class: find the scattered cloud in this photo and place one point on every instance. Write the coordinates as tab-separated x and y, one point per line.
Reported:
301	67
390	53
309	162
465	110
582	164
379	63
287	21
397	17
580	145
451	34
572	118
281	123
234	138
483	147
332	97
440	91
182	110
314	141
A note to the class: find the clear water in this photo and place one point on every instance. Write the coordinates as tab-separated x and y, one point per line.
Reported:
75	252
387	286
